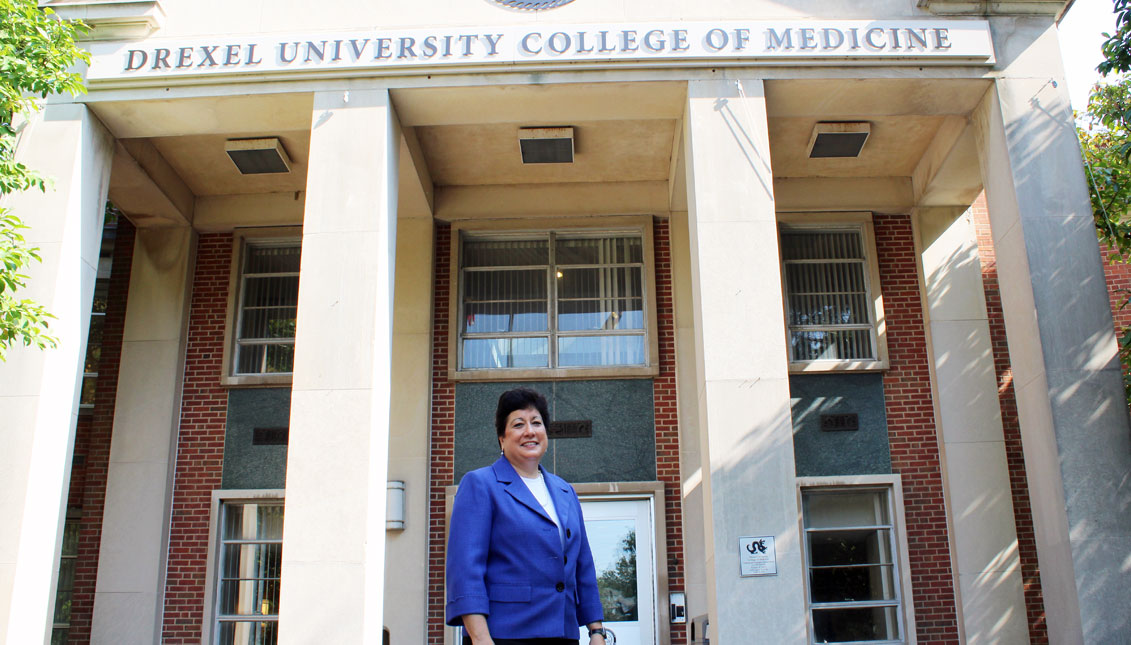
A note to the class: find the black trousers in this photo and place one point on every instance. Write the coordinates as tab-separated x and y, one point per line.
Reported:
527	641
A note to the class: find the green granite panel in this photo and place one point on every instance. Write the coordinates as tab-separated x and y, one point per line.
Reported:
623	445
860	452
247	465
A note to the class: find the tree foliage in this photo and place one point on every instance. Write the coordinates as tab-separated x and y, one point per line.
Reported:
1105	141
37	52
1117	47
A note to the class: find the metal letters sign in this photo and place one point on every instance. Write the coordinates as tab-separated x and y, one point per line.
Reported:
383	51
570	429
269	436
757	556
532	5
840	422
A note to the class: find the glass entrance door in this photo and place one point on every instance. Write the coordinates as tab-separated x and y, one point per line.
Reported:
620	535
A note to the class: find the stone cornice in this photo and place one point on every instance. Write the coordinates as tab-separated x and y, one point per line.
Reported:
993	8
112	19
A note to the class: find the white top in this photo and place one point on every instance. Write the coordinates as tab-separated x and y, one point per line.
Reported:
537	486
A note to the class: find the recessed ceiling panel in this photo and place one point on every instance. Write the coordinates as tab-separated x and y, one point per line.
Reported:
604	151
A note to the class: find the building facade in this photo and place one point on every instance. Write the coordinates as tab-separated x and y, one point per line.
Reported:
813	292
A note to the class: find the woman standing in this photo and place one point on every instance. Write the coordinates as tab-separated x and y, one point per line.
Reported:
519	568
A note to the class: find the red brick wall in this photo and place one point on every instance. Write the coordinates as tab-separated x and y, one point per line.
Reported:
1118	276
442	451
200	443
1011	427
667	417
912	434
92	440
443	428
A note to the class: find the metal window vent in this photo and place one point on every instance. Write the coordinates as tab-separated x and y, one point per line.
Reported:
838	140
258	156
546	145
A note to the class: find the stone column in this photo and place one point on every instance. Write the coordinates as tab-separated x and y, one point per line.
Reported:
337	459
1070	401
39	390
744	414
130	591
969	414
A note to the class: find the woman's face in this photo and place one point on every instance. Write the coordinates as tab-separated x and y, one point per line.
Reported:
525	436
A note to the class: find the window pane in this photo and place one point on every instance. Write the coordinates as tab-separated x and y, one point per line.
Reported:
272	259
275	322
253	522
243	597
493	286
59	636
799	244
505	253
271	291
248	633
850	584
606	313
830	509
94	343
616	568
71	537
250	359
89	383
827	294
595	351
499	317
862	624
849	546
101	292
611	250
619	282
487	353
845	344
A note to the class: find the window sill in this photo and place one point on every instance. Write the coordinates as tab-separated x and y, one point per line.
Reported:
824	367
559	373
253	380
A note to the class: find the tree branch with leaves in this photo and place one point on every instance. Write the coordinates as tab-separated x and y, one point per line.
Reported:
37	56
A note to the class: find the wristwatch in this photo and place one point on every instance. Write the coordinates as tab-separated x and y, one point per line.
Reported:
599	630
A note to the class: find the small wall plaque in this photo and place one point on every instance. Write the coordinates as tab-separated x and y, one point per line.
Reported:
269	436
570	429
757	556
840	422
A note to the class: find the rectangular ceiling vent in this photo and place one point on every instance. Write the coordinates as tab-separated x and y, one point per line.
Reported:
546	145
838	140
258	156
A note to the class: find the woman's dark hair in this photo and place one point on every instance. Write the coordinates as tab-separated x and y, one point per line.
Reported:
519	398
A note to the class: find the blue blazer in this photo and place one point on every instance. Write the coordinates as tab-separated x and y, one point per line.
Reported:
506	561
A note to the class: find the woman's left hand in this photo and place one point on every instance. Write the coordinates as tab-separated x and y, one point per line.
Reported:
597	639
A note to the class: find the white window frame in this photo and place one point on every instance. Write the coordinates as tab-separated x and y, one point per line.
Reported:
862	222
212	570
241	239
893	486
640	224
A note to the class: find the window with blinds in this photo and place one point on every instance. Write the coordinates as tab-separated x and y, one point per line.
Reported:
251	552
571	300
268	307
853	576
828	298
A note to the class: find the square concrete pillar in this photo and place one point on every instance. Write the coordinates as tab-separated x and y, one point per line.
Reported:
1070	401
337	459
39	390
746	434
130	591
969	418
